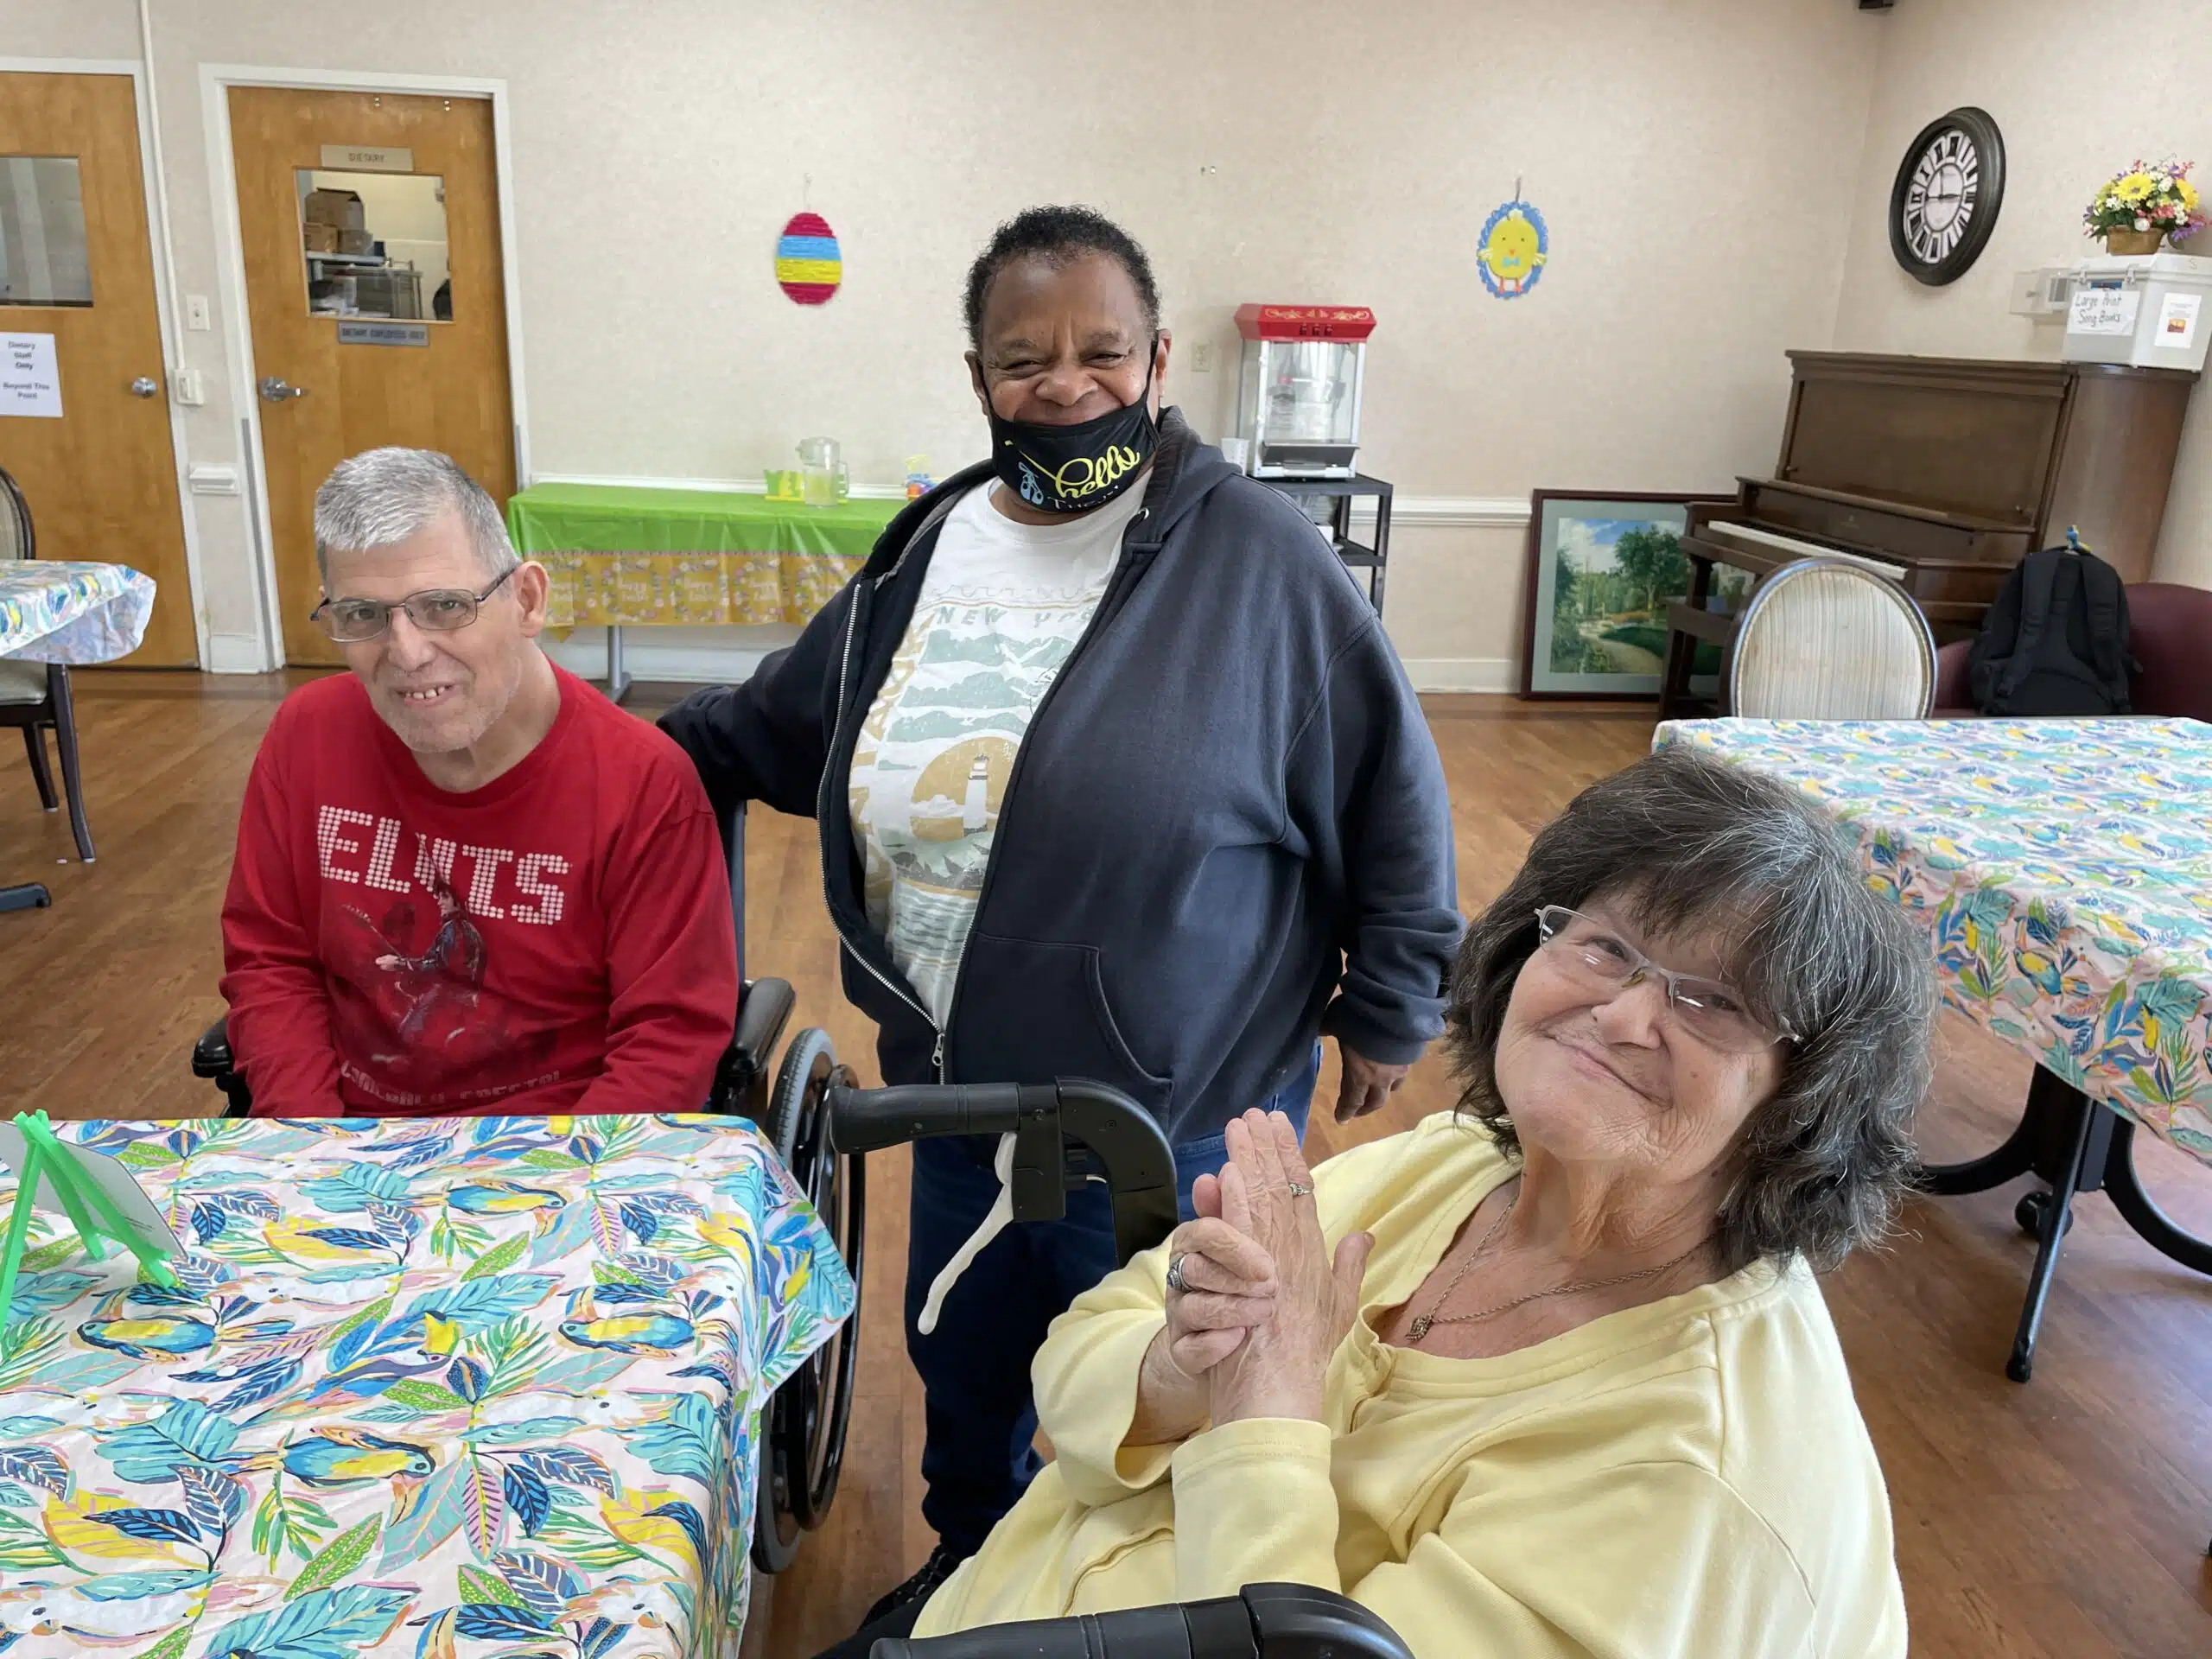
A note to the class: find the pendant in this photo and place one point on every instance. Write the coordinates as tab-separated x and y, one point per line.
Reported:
1419	1328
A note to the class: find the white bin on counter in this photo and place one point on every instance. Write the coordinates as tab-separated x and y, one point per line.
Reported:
2151	310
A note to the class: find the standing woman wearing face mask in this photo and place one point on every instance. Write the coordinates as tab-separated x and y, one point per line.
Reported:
1117	776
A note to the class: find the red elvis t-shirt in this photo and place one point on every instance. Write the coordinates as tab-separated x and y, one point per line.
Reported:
559	940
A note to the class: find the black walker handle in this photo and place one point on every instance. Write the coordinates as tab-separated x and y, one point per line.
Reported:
1139	1166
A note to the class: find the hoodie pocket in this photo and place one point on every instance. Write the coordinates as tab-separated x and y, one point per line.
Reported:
1032	1013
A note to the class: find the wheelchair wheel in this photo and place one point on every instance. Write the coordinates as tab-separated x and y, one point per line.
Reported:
803	1435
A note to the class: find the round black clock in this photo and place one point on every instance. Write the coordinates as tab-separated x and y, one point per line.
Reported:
1944	203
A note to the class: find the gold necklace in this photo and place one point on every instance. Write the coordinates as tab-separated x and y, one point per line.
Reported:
1424	1323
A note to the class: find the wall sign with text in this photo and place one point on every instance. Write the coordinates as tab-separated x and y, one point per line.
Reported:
30	380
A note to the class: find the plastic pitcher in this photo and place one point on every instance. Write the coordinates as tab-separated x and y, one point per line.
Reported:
823	480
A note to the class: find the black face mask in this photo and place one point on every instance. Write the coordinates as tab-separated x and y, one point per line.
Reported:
1075	468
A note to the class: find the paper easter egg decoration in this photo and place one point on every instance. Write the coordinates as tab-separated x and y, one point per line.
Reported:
808	264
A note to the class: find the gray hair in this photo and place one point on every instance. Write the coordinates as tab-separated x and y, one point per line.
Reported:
1686	844
383	496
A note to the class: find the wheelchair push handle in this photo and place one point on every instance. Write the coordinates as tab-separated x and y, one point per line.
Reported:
1131	1148
1268	1621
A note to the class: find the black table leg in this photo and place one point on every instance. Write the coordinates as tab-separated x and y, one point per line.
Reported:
2076	1145
2052	1219
2015	1158
31	896
2155	1226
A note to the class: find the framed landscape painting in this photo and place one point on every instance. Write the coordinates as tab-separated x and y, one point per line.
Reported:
1602	569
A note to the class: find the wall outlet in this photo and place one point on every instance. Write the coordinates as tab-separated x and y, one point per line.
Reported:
190	386
196	314
1202	358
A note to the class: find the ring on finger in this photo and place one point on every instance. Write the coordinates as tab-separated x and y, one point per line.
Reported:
1302	1189
1175	1280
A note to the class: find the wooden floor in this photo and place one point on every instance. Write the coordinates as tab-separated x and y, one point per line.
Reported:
2063	1520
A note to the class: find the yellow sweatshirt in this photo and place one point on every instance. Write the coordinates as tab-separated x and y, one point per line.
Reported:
1686	1480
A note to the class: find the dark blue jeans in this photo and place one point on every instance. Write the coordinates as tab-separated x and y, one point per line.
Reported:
980	1419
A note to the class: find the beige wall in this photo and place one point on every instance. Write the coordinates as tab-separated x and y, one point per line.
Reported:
1283	150
2069	121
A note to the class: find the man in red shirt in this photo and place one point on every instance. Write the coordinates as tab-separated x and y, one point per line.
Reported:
466	881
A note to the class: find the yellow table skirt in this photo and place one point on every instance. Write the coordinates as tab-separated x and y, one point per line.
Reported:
692	590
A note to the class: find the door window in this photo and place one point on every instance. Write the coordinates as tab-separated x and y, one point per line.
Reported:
43	260
375	244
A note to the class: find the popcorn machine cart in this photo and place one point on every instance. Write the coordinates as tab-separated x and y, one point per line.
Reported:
1298	384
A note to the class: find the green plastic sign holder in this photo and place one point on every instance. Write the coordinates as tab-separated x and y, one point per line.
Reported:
99	1221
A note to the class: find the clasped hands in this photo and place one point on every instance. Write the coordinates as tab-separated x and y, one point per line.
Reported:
1264	1303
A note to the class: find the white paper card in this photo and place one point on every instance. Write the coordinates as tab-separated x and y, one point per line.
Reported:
120	1187
2103	311
30	380
2177	320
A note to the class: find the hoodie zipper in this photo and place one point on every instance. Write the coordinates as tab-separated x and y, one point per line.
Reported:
1021	754
829	780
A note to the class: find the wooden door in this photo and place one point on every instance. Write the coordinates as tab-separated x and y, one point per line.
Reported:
377	376
77	301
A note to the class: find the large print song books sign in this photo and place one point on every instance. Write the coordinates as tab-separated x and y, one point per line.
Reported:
1602	570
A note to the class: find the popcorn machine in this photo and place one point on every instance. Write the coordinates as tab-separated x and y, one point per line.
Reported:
1298	388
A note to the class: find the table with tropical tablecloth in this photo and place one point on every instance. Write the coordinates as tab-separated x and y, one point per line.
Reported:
66	611
2063	870
61	610
641	555
430	1387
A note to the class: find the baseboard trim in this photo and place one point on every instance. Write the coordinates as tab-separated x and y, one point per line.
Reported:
1463	673
1452	511
236	654
1443	512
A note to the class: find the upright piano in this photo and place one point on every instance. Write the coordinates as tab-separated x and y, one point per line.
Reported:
1940	473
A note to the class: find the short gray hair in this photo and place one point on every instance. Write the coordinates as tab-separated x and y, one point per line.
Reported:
382	495
1688	845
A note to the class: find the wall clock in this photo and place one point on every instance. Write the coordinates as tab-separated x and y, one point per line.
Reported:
1944	202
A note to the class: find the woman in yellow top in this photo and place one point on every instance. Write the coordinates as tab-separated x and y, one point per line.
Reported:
1553	1377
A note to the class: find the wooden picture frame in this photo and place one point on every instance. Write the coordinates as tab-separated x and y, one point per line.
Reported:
1628	635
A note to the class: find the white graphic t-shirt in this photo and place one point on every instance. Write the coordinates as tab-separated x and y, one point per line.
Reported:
1000	609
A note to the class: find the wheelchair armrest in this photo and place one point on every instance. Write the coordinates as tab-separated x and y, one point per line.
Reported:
212	1058
762	1014
211	1055
742	1080
1268	1621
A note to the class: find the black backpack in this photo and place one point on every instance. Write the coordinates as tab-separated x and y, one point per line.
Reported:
2054	641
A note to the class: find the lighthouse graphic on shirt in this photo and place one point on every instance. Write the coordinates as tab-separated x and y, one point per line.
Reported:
930	767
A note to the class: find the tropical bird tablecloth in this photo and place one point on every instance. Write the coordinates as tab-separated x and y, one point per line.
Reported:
60	611
2063	869
448	1389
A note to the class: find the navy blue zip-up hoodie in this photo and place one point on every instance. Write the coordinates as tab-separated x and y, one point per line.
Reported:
1225	832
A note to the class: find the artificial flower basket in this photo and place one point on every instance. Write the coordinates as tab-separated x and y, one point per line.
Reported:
2149	204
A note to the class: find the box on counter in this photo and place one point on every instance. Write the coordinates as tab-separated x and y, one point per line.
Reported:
350	241
340	207
2144	310
322	238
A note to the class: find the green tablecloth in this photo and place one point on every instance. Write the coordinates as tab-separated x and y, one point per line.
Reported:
634	553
